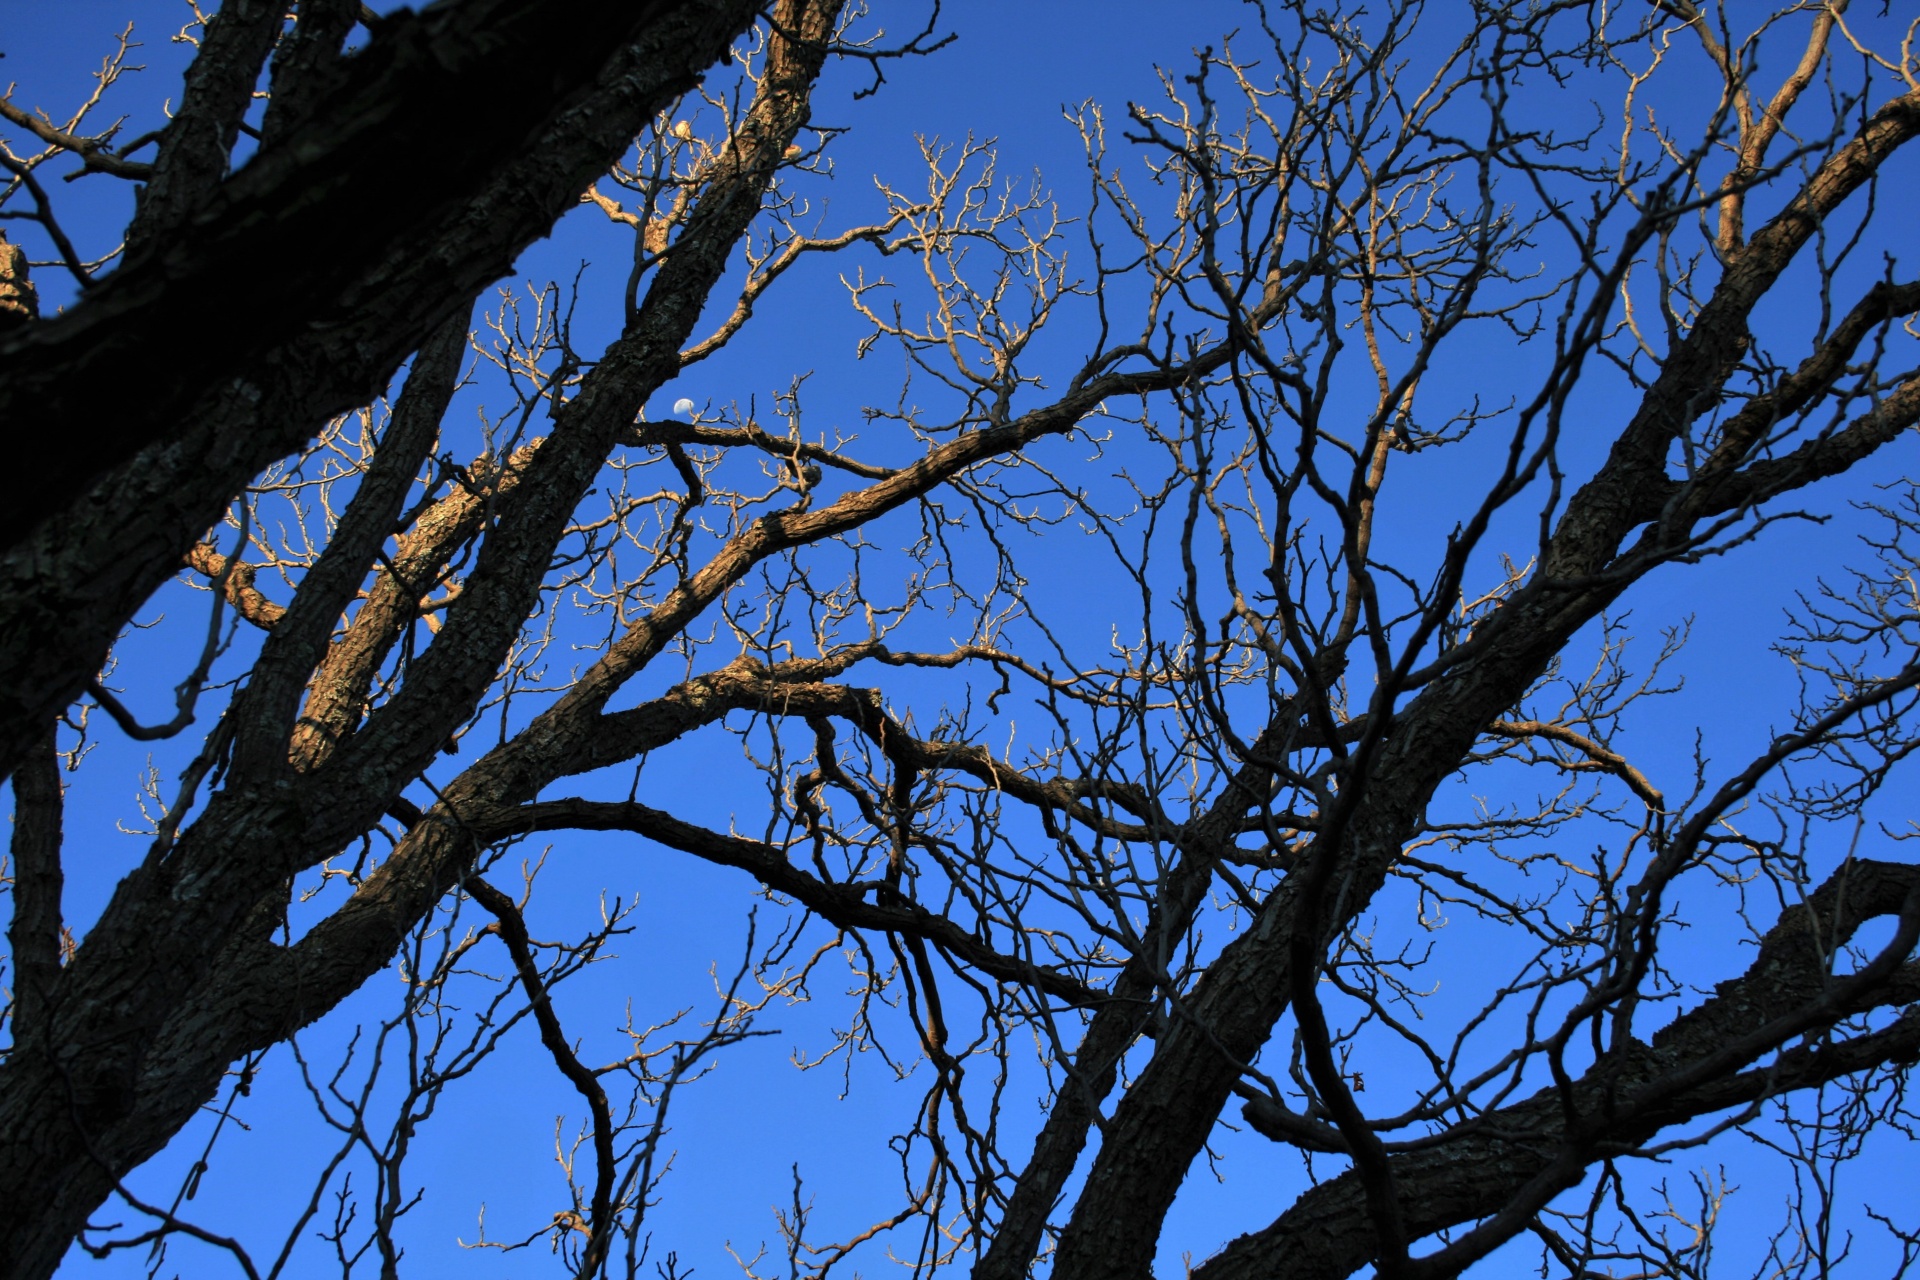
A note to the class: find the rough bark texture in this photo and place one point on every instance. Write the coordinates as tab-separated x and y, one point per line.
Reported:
414	183
1618	1104
19	302
1201	837
34	933
1172	1108
189	168
178	977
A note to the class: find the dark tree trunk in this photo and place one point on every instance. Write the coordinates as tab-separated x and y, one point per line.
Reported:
292	292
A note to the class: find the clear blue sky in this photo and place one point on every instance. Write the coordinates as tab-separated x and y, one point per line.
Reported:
1013	68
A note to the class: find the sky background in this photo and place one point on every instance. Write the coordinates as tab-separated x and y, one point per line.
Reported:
739	1133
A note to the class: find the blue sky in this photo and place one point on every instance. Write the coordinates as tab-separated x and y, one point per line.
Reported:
739	1133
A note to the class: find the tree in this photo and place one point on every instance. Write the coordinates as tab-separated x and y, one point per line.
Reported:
408	180
1404	353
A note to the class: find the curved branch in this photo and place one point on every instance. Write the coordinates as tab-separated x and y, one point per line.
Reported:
1506	1162
1611	761
843	905
512	929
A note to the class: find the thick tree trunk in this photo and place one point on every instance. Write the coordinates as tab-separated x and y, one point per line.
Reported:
308	277
180	975
1330	1233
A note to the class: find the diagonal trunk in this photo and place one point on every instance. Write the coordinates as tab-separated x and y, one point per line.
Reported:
147	427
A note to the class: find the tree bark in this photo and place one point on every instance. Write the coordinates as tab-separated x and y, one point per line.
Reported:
177	978
1485	1163
309	275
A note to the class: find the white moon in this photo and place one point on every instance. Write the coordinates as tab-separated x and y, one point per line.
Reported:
683	407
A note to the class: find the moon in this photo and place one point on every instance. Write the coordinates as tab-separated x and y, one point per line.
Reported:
683	407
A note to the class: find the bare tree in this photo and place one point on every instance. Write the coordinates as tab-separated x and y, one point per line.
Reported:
387	189
1374	839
